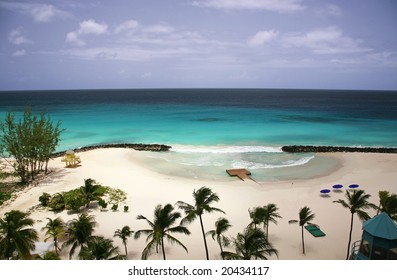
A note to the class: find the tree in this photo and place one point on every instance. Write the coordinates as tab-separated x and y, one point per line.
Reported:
357	202
257	216
161	228
388	204
270	215
251	244
123	234
100	248
16	235
80	231
203	198
91	191
55	229
30	142
305	216
221	226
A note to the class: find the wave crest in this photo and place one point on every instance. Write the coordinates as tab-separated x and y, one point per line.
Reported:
225	149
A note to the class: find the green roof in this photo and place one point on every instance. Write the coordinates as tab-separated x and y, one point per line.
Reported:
381	226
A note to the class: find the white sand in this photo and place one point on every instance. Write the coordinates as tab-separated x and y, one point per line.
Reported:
121	168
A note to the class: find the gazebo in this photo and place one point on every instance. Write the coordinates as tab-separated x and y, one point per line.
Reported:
379	240
71	159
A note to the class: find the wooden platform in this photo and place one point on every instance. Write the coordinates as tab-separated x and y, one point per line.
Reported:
241	173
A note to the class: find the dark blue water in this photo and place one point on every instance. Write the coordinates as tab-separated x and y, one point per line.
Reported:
218	127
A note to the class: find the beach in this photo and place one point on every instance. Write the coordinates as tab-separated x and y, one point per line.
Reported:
126	169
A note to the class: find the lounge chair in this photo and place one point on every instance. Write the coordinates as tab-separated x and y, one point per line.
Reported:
314	230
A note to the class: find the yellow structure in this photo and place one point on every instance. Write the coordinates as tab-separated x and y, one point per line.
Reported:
71	159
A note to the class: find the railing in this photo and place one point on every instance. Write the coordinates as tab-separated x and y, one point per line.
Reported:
354	250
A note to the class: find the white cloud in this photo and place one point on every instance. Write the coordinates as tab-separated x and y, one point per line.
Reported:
328	40
19	53
39	12
86	27
262	37
147	76
270	5
159	28
16	37
127	25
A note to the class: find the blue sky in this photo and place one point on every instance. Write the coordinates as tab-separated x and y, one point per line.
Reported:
74	44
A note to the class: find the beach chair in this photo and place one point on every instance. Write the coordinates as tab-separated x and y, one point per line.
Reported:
314	230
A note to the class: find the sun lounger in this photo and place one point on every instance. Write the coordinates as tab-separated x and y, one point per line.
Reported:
314	230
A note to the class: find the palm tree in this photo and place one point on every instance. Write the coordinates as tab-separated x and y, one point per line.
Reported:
16	235
270	216
221	226
357	202
123	234
257	216
388	204
203	197
55	229
100	248
80	231
91	191
251	244
160	228
305	216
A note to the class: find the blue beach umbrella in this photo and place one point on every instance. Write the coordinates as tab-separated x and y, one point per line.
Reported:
325	191
337	186
353	186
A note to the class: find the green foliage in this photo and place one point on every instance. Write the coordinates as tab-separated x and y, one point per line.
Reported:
74	200
102	203
116	195
126	208
44	199
4	197
56	202
30	141
115	207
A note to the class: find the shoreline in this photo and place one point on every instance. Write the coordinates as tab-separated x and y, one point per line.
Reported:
146	188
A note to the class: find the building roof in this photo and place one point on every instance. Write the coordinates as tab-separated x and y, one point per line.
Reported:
381	226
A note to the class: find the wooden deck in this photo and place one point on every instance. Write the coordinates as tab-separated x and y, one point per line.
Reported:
243	174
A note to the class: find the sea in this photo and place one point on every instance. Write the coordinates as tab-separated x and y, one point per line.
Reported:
212	130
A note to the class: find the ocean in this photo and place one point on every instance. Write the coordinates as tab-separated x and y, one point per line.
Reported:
211	130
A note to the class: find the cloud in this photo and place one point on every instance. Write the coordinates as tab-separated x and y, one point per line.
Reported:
127	25
269	5
329	40
19	53
262	37
86	27
39	12
147	76
16	37
159	28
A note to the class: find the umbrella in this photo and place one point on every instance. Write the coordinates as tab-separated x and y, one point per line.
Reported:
353	186
337	186
325	191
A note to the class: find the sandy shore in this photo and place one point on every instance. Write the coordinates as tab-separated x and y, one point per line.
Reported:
122	168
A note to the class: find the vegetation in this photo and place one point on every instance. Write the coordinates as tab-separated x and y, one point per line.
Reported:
16	235
100	248
80	231
221	226
356	202
161	228
123	234
203	198
388	204
30	141
251	244
55	229
305	217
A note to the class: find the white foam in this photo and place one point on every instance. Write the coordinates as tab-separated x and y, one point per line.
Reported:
254	165
225	149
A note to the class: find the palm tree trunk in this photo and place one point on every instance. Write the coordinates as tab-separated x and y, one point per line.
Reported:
125	247
205	241
267	230
220	245
303	241
162	247
350	237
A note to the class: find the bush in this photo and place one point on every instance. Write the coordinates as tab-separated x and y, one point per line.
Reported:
44	199
73	200
102	203
114	207
126	208
4	196
56	202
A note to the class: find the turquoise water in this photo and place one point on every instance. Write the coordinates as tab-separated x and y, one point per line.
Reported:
213	130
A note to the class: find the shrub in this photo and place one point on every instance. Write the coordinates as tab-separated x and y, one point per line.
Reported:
126	208
73	200
114	207
102	203
56	202
44	199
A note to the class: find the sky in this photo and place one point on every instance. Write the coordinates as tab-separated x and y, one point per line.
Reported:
316	44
